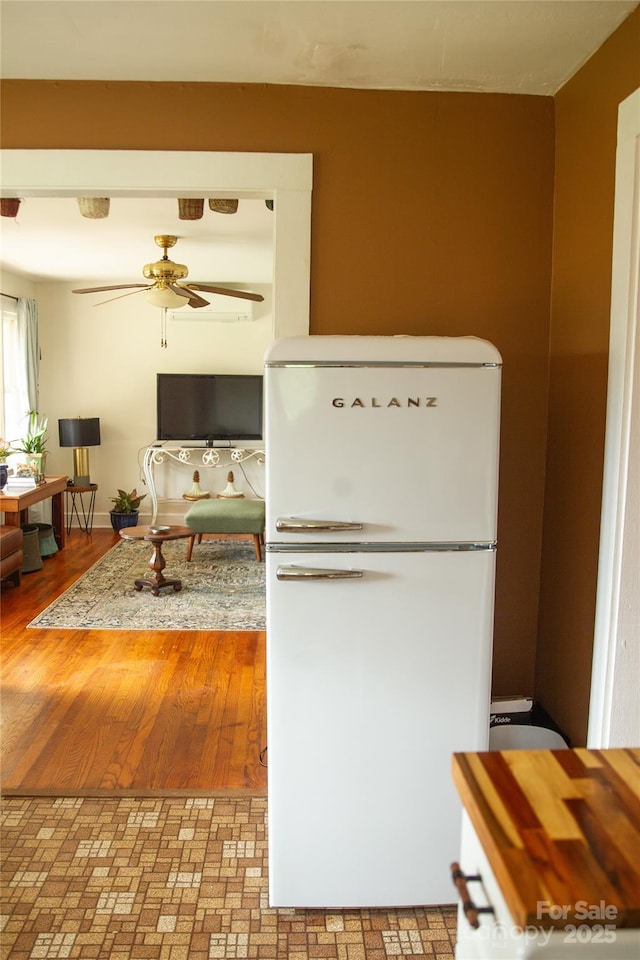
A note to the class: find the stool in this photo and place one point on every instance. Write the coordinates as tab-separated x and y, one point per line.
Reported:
11	555
76	506
226	516
31	548
48	545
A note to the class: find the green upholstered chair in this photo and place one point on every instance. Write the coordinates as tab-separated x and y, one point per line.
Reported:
221	515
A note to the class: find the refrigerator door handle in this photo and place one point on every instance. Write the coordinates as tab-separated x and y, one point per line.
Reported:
300	525
315	573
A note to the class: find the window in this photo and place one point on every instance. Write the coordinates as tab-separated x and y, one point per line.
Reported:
19	326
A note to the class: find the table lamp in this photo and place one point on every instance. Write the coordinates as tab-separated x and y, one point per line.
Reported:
80	433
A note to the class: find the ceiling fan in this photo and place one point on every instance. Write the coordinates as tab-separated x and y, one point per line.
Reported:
166	291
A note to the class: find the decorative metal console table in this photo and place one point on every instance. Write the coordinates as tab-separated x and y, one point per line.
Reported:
198	457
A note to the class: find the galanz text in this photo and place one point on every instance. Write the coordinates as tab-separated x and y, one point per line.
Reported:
392	402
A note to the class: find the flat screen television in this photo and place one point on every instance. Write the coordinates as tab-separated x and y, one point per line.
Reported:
210	407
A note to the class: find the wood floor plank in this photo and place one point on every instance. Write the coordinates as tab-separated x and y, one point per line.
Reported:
137	750
162	755
197	727
240	754
124	712
222	765
224	666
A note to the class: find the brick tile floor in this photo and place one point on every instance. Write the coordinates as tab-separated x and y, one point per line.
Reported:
174	879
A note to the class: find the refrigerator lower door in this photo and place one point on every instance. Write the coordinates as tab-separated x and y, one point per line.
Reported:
373	681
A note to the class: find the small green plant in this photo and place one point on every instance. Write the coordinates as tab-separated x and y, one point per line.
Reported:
36	439
5	450
127	502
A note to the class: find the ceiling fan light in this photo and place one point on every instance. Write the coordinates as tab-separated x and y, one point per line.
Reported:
162	297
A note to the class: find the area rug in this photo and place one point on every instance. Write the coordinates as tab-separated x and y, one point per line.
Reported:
222	589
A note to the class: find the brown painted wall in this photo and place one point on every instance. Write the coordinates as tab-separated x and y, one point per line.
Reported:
432	214
586	124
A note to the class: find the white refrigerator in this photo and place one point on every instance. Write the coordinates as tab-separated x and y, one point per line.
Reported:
381	464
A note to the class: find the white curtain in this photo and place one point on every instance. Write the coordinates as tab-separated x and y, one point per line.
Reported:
29	347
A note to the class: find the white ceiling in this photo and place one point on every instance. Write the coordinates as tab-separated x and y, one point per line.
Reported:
509	46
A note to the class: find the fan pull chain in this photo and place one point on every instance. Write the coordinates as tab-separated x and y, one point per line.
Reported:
163	327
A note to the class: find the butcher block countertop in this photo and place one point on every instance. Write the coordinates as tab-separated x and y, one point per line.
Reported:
561	827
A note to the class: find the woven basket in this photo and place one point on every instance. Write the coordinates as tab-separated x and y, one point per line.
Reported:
223	206
190	209
94	208
9	206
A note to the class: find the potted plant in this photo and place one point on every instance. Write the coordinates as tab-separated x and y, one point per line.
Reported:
34	444
5	450
125	510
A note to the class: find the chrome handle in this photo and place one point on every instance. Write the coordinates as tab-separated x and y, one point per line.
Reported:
316	573
299	525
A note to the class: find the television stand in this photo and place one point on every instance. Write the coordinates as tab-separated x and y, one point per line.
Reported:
194	457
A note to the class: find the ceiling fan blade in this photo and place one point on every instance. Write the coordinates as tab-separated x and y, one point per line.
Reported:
115	286
193	298
242	294
122	295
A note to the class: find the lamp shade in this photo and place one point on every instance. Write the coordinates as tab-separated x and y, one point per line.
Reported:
79	432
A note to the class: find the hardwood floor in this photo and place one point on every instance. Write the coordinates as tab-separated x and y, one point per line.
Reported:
100	712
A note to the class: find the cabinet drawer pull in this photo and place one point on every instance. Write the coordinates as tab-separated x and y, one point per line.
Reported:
471	911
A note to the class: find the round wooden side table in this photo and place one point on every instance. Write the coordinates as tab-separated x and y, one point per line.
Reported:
157	536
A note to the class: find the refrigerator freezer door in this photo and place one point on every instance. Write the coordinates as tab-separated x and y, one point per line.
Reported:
373	682
407	454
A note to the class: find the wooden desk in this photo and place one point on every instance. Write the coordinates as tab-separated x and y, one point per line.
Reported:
15	505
